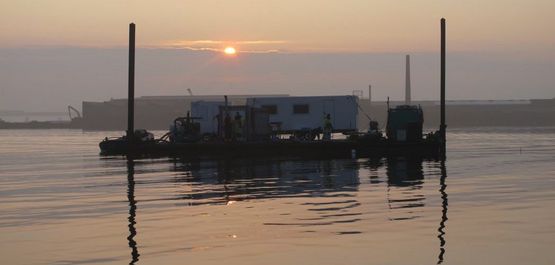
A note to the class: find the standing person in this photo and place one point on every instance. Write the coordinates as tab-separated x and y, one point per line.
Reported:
327	127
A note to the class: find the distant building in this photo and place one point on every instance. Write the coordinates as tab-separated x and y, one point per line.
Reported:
151	112
158	112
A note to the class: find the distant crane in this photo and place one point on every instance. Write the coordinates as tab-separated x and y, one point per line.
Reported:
190	92
77	113
75	120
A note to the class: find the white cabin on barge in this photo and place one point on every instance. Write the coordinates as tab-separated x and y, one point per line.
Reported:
300	113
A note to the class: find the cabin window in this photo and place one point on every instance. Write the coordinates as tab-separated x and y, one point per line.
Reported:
271	109
300	109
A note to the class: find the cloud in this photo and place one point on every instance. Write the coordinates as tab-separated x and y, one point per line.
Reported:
243	46
224	42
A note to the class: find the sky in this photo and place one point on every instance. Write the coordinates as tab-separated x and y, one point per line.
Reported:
59	52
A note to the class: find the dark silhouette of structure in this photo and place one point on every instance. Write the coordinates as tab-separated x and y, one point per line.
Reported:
131	84
132	211
443	126
444	204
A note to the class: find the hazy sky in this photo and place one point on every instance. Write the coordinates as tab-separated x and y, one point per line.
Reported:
59	52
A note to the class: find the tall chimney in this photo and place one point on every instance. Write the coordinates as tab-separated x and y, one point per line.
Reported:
443	126
370	94
131	84
407	81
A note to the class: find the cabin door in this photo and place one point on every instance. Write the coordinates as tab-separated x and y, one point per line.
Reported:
329	108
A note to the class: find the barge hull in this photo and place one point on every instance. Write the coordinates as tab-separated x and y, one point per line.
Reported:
335	149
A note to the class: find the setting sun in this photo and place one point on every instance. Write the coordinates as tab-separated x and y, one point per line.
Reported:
230	51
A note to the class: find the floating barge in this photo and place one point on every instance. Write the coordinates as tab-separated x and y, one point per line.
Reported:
282	148
37	125
74	122
403	134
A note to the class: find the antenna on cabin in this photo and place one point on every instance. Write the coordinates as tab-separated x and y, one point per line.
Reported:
407	81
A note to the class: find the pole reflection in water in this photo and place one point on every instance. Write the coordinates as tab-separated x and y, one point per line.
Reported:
132	209
319	195
444	204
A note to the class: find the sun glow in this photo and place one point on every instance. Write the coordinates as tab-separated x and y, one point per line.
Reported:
230	51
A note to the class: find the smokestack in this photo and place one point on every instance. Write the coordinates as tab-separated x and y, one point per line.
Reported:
443	126
370	94
407	81
131	84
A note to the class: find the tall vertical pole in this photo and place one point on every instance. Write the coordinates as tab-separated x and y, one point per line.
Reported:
443	126
407	81
131	84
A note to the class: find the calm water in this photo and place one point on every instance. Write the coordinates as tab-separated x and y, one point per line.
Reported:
492	202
